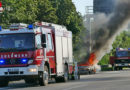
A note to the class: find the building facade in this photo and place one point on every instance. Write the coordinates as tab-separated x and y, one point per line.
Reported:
103	6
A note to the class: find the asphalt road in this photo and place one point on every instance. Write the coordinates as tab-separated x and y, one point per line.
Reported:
116	80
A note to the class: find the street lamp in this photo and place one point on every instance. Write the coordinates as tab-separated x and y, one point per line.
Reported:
90	30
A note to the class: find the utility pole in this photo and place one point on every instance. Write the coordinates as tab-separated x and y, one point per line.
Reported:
90	29
89	20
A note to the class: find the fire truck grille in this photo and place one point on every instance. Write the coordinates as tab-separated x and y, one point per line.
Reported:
122	61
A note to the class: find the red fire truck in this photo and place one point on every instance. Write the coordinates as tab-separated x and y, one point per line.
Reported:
121	59
36	53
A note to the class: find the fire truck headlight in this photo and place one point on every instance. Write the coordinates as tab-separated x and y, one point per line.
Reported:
30	61
2	61
32	70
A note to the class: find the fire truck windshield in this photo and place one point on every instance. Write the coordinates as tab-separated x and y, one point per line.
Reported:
123	53
16	42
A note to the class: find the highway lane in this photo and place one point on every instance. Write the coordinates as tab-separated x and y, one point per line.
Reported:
115	80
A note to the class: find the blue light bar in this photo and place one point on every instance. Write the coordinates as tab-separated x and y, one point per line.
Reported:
2	61
24	61
128	48
0	28
30	26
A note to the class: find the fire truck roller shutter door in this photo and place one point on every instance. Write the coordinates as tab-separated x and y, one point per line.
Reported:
59	55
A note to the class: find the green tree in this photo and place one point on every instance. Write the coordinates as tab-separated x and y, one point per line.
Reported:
65	11
46	12
68	16
55	3
23	11
27	11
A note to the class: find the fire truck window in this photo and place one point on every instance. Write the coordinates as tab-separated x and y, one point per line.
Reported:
16	42
49	42
19	43
38	41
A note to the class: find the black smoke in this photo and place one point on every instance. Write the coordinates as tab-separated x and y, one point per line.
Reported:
104	33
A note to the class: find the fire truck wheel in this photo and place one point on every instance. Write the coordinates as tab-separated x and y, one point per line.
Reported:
43	77
120	68
65	77
57	80
4	83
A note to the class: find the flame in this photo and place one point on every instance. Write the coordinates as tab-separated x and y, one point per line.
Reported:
91	61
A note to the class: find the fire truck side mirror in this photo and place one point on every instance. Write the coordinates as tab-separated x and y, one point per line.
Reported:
43	40
44	45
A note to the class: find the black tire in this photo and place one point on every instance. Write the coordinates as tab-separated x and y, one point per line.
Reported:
121	68
44	77
4	83
57	80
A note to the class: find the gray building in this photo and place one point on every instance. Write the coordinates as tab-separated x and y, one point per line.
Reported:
103	6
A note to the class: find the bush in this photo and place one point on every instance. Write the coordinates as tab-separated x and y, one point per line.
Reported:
106	69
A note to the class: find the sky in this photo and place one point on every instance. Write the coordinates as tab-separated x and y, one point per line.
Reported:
81	4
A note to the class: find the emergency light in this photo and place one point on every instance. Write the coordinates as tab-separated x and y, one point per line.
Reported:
17	26
30	26
0	28
24	61
2	61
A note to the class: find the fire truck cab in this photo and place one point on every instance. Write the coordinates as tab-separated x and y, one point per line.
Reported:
35	53
121	59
